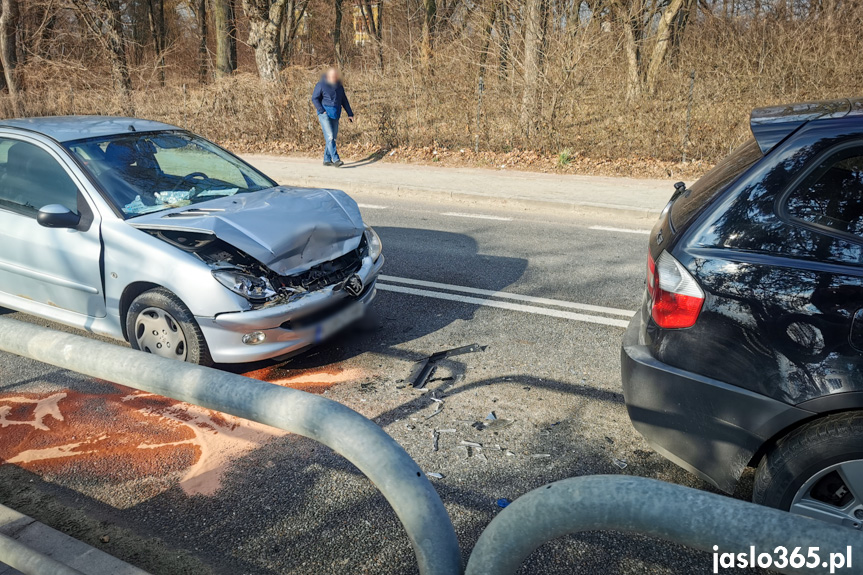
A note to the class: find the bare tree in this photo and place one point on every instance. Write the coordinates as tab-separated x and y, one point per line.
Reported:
292	22
535	28
265	25
226	37
104	20
203	59
9	23
648	28
429	29
156	19
337	33
373	17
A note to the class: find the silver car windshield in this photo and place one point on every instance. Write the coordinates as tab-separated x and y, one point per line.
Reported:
150	172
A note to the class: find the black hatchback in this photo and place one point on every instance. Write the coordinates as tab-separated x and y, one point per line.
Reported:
748	349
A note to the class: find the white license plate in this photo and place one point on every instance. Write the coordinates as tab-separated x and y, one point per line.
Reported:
338	322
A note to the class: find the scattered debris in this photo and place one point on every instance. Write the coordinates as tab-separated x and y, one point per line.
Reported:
410	427
105	539
435	475
541	455
446	430
503	502
509	453
428	366
435	439
619	462
471	444
435	399
439	409
481	456
499	424
491	416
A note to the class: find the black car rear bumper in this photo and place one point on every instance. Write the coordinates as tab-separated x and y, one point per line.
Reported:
708	427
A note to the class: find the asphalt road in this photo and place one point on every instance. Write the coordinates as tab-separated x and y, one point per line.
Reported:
177	490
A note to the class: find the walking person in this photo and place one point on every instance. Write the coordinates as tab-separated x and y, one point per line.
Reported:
329	98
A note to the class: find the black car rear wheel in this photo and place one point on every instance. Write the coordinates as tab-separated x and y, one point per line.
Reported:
817	471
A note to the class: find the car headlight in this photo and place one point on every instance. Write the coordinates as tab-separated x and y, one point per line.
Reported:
256	289
374	241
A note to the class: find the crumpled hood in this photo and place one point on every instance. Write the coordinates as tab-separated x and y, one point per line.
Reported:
287	229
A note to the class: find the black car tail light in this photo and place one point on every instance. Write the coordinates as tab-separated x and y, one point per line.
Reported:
675	295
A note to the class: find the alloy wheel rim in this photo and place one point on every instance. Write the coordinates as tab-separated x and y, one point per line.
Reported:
157	332
834	494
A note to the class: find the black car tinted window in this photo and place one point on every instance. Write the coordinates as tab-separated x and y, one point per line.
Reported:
704	190
30	179
832	194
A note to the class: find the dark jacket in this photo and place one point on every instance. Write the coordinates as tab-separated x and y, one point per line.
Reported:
331	98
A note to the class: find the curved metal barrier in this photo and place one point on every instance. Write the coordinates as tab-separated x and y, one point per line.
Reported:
345	431
649	507
620	503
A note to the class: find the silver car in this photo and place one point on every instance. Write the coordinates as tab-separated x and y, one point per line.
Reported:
144	232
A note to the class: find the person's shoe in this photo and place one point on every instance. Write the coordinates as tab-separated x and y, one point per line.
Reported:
338	163
328	163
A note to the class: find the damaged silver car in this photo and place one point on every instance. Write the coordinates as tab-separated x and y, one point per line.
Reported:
142	231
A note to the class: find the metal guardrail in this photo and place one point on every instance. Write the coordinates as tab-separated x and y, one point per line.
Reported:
29	562
649	507
619	503
345	431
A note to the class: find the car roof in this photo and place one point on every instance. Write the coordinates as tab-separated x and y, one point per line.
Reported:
773	124
68	128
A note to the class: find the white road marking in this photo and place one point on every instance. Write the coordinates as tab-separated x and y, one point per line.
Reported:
477	216
372	206
624	230
513	296
506	305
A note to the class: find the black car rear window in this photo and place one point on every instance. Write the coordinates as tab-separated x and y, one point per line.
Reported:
704	190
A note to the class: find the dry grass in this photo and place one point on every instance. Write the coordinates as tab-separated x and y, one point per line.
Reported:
739	64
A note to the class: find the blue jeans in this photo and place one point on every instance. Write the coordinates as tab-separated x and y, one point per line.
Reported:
330	128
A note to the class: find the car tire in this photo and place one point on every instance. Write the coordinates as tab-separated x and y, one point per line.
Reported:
160	309
807	463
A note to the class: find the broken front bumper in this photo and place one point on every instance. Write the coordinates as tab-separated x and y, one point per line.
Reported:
288	328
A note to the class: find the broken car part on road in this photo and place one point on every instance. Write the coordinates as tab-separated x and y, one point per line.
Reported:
428	365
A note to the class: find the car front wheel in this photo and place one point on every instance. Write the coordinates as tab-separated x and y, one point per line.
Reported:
817	471
159	323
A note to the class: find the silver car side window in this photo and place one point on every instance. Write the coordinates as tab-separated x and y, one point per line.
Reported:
30	179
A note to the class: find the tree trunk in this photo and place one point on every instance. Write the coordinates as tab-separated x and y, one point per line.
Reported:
203	59
373	20
9	22
105	22
265	24
534	39
633	55
226	37
337	33
157	33
486	40
429	27
664	30
503	68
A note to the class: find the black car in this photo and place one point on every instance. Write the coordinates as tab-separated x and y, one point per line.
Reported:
748	349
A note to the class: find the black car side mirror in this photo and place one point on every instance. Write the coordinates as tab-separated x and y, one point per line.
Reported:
57	216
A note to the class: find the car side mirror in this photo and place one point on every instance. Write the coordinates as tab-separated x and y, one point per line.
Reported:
57	216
